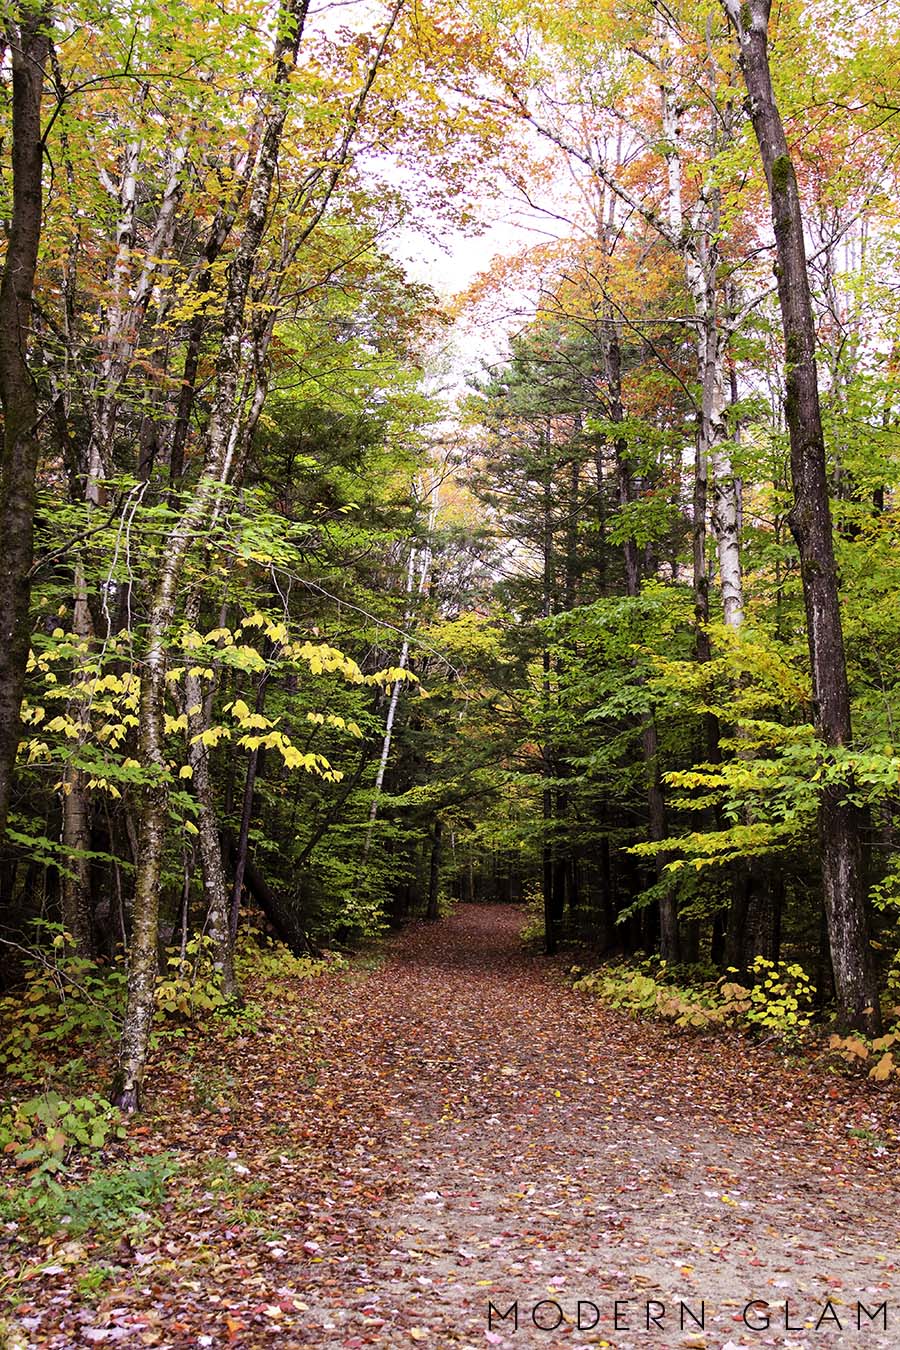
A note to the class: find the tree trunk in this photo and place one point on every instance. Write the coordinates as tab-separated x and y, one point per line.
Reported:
75	882
716	449
284	915
118	344
143	952
25	32
607	899
551	933
810	522
214	887
414	591
402	662
697	240
243	841
736	946
431	913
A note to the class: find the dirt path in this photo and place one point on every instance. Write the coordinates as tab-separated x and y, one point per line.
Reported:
542	1148
478	1134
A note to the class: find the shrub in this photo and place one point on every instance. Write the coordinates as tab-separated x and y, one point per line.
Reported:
258	956
68	1001
533	928
42	1132
779	1001
635	991
876	1056
113	1201
189	984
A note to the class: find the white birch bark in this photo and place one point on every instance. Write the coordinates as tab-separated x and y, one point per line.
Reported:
698	246
414	590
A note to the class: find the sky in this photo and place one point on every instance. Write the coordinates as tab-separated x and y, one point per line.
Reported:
449	268
451	265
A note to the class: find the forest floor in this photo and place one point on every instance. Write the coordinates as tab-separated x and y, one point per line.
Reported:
454	1128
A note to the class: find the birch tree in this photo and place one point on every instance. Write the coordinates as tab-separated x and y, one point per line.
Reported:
221	439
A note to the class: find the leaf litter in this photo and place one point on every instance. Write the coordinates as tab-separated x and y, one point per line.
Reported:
457	1128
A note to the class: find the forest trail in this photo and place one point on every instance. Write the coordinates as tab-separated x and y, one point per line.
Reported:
542	1147
476	1132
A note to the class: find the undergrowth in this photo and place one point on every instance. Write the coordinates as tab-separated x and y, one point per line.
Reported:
59	1035
113	1201
776	1003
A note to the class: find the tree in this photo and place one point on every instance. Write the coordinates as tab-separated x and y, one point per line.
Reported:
810	520
225	430
27	37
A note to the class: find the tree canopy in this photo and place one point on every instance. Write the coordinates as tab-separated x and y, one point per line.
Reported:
303	619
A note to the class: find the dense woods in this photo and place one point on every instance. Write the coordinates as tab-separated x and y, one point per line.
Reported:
447	730
294	629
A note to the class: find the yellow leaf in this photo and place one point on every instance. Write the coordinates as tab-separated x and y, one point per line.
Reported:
883	1069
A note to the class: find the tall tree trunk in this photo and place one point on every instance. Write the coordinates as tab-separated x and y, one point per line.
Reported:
551	937
697	242
434	873
551	930
214	886
214	244
393	702
143	951
25	31
414	590
75	883
716	449
243	840
607	899
284	913
810	522
570	596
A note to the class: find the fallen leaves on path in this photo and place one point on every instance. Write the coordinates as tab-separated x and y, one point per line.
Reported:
458	1128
